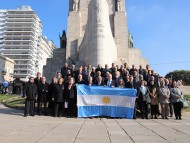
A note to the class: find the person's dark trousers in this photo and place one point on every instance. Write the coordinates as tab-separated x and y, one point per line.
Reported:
171	109
40	107
65	112
5	90
51	107
18	90
134	115
144	109
58	109
177	109
72	108
154	110
29	107
35	101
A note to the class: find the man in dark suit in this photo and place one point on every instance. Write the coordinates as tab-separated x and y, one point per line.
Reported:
106	69
30	93
99	81
112	69
132	70
116	78
98	74
37	79
99	68
132	84
71	98
73	72
42	96
80	79
77	73
64	70
87	76
110	82
144	100
141	70
90	81
59	98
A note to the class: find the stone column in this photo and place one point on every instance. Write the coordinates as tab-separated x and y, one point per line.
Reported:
98	46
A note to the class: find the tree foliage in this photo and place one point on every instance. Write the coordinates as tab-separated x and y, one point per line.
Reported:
183	75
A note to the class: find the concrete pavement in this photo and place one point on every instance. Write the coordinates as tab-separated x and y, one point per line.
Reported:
14	128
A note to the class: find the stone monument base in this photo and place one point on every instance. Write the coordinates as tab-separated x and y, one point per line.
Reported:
54	64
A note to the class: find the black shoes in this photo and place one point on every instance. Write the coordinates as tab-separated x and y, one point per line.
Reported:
178	118
25	115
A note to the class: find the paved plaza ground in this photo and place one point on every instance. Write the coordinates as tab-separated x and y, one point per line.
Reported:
14	128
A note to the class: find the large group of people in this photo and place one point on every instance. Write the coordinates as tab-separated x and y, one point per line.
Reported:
155	95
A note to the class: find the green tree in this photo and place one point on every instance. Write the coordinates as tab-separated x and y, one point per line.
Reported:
183	75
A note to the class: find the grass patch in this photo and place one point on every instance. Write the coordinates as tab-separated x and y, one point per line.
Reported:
4	97
187	97
17	103
12	101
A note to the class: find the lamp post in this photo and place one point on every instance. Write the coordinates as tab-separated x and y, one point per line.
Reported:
171	77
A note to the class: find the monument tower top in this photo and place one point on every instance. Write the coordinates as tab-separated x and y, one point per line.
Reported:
97	34
83	24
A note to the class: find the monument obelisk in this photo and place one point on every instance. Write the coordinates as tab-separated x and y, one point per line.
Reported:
98	45
97	33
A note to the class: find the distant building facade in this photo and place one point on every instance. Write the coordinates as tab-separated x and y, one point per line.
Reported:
45	50
23	42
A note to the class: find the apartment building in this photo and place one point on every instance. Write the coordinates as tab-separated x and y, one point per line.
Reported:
22	41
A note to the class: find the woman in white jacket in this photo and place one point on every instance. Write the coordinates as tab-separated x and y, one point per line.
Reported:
176	97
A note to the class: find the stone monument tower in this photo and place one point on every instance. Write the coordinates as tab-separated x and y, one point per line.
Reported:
98	33
98	45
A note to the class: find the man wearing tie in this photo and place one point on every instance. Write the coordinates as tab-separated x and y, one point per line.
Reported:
117	78
99	81
131	83
110	82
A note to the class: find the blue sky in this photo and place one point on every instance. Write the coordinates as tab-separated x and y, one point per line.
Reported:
160	28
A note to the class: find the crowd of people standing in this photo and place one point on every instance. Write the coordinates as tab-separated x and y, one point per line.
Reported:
59	98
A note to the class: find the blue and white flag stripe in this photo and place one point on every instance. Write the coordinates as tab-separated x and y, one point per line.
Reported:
104	101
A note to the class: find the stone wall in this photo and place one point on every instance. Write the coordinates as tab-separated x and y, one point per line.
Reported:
54	64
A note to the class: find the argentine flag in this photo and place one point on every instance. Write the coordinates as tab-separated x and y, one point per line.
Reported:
105	101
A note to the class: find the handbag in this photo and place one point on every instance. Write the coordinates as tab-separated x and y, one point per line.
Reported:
185	103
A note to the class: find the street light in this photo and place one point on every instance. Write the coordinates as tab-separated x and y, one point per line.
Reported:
171	77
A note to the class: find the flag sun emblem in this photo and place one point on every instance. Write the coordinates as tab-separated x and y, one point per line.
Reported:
106	100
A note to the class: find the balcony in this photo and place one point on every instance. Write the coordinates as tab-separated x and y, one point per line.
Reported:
21	74
27	64
20	36
19	49
15	19
20	32
21	59
19	40
24	28
19	45
23	69
21	14
19	23
17	54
